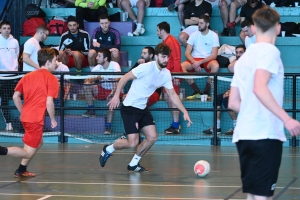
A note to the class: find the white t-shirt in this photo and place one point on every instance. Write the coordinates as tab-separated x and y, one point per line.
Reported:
255	121
9	54
250	40
203	44
62	68
148	79
31	47
112	67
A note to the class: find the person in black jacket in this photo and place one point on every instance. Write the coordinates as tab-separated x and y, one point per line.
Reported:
74	45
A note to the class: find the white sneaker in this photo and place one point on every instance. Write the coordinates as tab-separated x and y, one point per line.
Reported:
139	31
9	127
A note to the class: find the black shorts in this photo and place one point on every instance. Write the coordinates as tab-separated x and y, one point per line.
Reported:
135	119
259	162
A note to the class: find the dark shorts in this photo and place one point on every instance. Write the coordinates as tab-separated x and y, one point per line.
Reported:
221	100
259	162
135	119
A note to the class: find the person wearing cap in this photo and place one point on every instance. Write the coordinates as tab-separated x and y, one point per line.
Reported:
89	10
74	45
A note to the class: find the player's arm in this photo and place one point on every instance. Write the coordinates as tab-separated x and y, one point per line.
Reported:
177	102
114	103
17	100
231	66
28	61
51	111
234	101
262	92
188	54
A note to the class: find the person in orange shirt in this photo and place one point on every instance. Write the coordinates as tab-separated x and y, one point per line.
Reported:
174	65
38	89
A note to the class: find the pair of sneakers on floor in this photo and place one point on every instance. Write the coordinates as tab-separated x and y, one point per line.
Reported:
210	131
230	31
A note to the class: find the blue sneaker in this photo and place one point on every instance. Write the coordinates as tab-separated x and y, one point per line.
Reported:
104	156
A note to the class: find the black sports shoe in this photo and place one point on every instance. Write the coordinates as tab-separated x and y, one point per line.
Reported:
232	32
225	32
104	156
171	130
171	7
89	113
137	168
211	130
229	132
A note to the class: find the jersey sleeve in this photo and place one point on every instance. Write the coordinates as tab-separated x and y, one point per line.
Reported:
192	38
168	84
19	86
52	87
28	47
216	42
140	71
270	63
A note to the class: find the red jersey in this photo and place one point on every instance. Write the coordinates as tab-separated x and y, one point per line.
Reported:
174	64
36	86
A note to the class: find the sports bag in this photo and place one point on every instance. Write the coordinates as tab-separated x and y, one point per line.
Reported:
57	26
33	10
30	25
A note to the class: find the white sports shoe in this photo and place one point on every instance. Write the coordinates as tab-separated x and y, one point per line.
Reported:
139	31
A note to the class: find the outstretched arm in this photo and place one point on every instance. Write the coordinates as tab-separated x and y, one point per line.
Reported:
177	102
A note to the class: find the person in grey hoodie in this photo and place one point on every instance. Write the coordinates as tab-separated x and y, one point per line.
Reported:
9	53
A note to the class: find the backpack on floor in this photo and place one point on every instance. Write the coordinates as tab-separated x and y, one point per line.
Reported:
57	26
30	25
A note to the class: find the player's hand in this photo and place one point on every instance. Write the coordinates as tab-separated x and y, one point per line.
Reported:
226	94
140	61
114	102
71	53
196	66
53	123
293	126
96	44
186	117
113	50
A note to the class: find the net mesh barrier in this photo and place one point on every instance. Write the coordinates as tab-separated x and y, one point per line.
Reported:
85	116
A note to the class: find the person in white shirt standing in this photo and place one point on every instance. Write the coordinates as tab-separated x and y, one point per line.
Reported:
104	90
257	94
9	53
31	48
250	36
136	116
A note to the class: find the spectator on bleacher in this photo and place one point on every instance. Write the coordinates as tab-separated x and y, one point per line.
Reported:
228	11
9	53
239	51
179	6
31	48
247	11
192	13
201	51
222	99
89	10
74	46
38	89
105	90
107	38
146	56
250	37
174	65
127	5
62	68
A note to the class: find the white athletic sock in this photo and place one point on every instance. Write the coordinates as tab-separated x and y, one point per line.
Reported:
135	160
135	21
218	123
234	123
138	25
110	148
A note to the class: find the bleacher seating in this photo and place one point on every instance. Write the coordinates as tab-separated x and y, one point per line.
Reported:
289	46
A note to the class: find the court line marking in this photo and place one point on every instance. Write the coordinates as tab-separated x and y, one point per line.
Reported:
233	194
45	197
115	197
132	184
286	188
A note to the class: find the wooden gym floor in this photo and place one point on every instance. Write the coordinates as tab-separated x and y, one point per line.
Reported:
72	171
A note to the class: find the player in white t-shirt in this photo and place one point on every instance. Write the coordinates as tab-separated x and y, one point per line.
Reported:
31	48
104	90
250	36
257	94
201	51
134	111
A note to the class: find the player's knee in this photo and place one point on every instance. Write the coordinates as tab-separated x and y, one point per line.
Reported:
91	53
133	143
